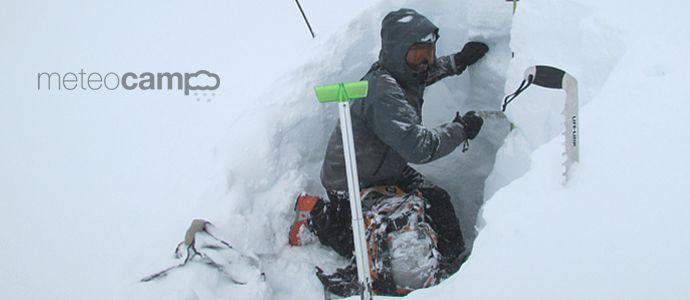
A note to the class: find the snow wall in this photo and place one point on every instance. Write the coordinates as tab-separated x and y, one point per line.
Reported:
619	228
274	150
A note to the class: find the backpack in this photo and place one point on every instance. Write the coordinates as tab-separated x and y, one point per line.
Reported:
401	244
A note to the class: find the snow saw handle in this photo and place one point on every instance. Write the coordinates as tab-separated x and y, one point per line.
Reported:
544	76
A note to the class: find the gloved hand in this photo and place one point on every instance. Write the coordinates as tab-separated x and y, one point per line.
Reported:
471	122
470	54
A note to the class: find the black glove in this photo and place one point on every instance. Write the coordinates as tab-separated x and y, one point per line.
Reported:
471	122
470	54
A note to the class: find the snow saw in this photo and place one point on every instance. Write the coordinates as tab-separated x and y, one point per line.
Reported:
554	78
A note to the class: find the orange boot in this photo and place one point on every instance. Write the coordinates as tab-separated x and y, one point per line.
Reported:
303	207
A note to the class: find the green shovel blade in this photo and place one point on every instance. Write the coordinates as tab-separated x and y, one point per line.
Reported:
342	92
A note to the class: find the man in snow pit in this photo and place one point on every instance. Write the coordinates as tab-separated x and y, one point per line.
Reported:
389	134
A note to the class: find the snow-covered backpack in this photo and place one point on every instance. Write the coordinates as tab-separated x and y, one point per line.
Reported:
402	246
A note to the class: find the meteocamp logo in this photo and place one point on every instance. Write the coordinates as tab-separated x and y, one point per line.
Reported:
201	80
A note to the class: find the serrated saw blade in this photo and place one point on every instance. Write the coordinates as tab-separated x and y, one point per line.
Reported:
554	78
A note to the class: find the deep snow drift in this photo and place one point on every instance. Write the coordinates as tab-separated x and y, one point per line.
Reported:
618	230
281	155
541	239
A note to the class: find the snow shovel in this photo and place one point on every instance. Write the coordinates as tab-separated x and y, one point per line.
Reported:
343	93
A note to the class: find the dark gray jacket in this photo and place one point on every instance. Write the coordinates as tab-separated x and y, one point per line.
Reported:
387	125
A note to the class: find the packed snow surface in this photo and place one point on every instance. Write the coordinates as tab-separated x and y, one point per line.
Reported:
96	189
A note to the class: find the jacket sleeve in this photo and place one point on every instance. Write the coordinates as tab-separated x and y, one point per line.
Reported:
397	124
444	67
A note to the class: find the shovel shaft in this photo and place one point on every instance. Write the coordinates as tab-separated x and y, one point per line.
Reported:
361	255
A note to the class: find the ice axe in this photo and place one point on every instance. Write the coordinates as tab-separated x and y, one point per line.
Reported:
343	93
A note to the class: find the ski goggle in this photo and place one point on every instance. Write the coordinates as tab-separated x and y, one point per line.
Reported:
421	53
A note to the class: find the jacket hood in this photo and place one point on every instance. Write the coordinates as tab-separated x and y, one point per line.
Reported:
399	30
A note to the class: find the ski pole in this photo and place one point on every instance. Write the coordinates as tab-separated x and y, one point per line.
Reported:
343	93
304	16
